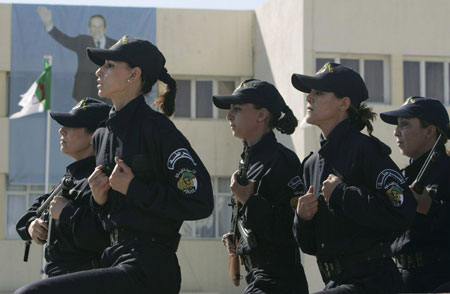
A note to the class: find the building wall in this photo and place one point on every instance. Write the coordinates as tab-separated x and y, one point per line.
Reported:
279	38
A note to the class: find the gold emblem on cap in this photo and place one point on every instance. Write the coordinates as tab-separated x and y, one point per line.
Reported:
81	104
326	66
124	40
410	100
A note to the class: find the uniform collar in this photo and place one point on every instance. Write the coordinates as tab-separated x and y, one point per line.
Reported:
415	165
120	117
267	143
80	166
335	137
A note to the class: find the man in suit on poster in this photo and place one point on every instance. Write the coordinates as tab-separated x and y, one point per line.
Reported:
85	81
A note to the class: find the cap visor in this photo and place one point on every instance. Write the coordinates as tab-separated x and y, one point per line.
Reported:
305	83
390	117
224	101
66	119
98	56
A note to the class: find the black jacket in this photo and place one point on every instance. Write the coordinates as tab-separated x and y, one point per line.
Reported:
429	233
79	235
372	202
267	212
171	184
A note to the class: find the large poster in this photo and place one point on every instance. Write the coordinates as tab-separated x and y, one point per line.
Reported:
63	32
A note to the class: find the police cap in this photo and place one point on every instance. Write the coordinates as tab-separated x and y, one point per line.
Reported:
256	92
134	51
88	113
428	109
336	78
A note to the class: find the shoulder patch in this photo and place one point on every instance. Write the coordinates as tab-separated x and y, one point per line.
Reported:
295	182
178	154
388	175
390	180
187	181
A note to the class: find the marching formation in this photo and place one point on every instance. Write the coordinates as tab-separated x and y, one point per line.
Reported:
112	224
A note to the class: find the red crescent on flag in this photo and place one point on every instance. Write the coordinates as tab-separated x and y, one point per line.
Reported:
42	88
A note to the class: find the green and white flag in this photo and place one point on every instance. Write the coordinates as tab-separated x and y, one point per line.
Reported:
37	98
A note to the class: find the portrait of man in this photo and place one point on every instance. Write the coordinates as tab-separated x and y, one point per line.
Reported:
85	84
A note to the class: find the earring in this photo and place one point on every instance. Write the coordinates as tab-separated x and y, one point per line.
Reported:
129	81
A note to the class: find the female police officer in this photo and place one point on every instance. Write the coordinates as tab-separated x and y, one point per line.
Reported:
79	238
422	252
147	181
272	258
356	197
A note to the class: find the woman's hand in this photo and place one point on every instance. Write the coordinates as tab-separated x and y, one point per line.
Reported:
38	231
328	186
121	176
231	247
57	205
307	205
242	193
99	183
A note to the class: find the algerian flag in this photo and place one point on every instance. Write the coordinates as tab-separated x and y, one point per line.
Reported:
37	98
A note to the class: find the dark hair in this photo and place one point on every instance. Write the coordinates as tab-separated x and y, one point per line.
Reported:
286	123
360	116
425	124
99	16
166	101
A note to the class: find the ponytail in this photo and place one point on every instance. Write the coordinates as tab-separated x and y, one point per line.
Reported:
361	117
166	101
287	123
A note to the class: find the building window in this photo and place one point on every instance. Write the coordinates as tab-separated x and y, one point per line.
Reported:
18	199
194	97
218	223
374	71
427	78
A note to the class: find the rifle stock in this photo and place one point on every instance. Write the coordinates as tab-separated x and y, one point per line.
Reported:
234	263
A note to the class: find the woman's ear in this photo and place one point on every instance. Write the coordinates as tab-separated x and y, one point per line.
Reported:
432	131
135	74
262	115
345	104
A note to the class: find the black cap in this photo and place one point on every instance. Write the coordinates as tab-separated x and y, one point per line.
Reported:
88	113
428	109
136	52
334	77
256	92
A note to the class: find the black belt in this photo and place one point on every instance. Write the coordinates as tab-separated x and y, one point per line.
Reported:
120	235
331	269
411	260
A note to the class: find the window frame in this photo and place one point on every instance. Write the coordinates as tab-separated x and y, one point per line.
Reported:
217	195
215	87
361	58
29	191
422	60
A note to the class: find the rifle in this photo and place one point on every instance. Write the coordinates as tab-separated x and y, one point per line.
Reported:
234	261
418	185
43	212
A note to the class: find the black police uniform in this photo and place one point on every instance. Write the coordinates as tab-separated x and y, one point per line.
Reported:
273	265
170	185
351	235
79	236
422	252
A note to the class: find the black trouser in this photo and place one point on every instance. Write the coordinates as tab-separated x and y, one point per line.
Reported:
130	267
426	278
369	277
282	279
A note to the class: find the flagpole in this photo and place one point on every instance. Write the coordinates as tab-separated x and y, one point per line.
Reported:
47	169
47	144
